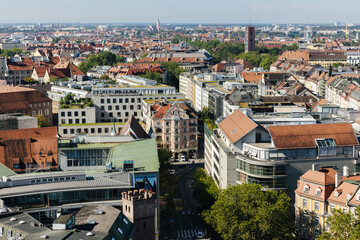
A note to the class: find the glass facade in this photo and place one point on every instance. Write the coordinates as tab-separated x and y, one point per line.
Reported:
59	198
260	170
86	157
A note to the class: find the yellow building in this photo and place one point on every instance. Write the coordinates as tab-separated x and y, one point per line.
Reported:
320	191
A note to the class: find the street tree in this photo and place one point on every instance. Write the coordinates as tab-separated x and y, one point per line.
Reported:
343	225
247	212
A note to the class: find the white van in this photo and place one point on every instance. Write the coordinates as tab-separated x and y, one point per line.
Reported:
183	158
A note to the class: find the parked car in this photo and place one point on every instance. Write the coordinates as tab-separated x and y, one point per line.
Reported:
183	158
200	235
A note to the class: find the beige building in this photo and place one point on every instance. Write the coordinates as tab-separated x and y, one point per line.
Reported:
175	127
319	191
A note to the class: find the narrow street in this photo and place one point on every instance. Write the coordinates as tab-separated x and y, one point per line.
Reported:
185	221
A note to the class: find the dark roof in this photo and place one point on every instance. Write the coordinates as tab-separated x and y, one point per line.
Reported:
134	128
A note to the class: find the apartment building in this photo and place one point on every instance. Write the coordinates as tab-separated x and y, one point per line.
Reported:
120	106
175	127
275	157
319	191
198	87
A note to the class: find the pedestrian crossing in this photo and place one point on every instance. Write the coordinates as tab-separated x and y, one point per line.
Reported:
184	234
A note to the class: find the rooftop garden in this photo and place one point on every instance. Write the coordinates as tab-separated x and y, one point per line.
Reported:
70	102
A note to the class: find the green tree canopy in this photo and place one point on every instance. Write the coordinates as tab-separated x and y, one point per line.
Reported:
11	52
246	212
173	71
101	59
292	47
342	225
205	189
41	121
153	76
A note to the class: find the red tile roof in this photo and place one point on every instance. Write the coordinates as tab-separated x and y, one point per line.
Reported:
33	145
303	136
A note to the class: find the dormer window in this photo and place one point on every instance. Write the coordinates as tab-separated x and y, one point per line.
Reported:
348	196
337	193
306	188
358	196
318	192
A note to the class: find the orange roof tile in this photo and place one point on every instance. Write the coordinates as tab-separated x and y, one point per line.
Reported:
236	126
303	136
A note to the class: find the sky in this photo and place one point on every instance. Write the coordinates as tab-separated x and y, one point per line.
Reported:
179	11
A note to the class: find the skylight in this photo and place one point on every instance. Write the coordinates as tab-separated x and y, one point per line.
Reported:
233	130
325	142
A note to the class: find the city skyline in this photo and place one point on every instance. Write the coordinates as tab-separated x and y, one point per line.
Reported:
202	12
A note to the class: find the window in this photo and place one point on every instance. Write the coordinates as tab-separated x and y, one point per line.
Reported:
114	100
109	108
305	203
124	107
325	142
83	121
108	100
331	207
132	100
69	114
77	120
120	100
117	107
318	192
70	121
120	231
102	101
83	113
126	100
76	113
65	131
63	114
306	188
317	206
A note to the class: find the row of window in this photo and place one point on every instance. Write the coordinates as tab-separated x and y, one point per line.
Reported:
118	114
44	180
260	170
40	112
120	100
70	121
39	104
76	113
86	130
117	107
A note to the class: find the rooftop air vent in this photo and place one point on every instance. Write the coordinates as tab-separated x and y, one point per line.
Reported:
13	219
22	222
90	234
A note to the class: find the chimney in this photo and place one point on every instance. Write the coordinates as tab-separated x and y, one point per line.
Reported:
315	167
338	179
346	171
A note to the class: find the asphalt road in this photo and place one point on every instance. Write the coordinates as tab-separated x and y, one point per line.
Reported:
185	221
